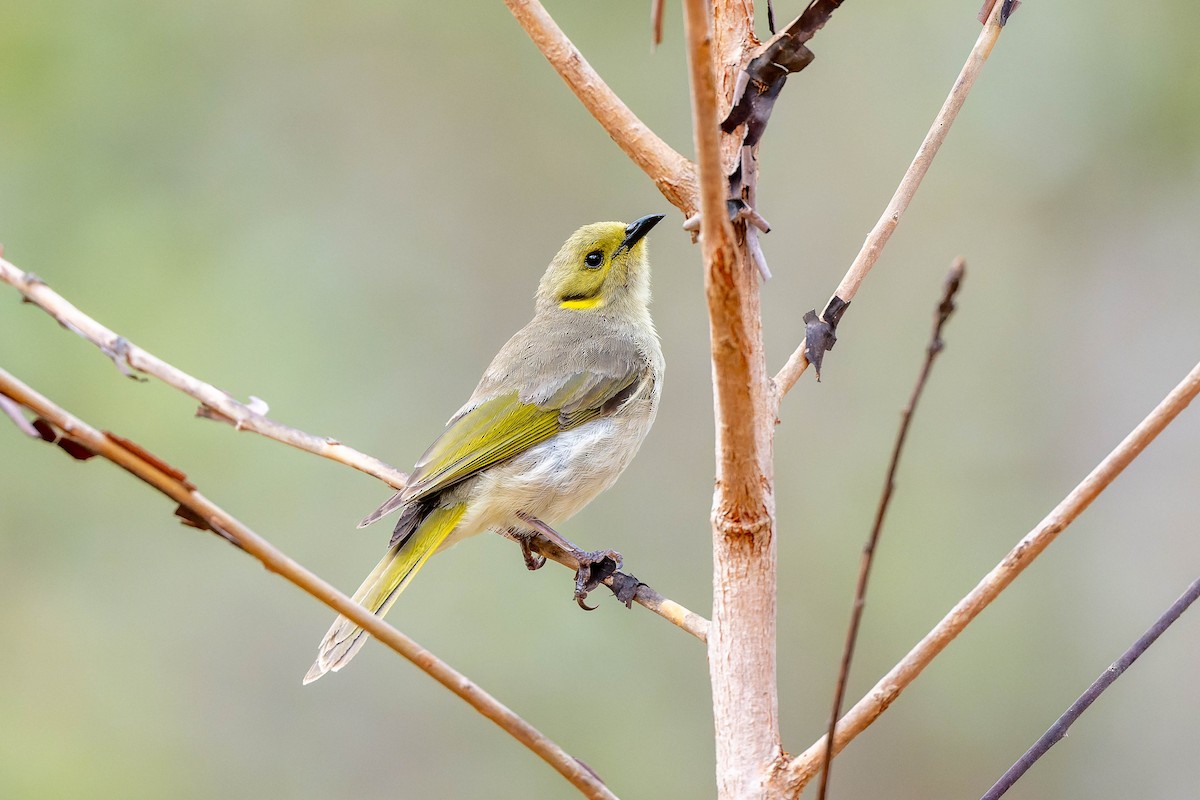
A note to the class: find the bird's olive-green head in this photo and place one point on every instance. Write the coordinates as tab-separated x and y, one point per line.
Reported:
602	266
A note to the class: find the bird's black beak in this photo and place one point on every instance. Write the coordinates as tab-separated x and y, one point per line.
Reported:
636	230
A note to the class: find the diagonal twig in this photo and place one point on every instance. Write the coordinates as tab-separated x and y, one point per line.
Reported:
879	235
673	174
944	309
219	404
1058	730
621	584
202	511
802	768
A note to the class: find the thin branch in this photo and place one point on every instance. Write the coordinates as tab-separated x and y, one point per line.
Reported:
944	309
879	235
171	483
801	769
673	174
217	403
645	595
1058	730
887	223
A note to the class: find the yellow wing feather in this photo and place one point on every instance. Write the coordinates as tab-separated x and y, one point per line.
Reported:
502	427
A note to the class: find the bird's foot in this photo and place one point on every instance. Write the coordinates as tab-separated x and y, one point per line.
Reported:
595	567
533	561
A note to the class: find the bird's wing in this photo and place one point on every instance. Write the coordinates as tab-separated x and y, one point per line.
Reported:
487	432
503	426
525	398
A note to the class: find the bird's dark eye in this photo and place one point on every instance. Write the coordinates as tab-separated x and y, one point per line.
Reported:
594	259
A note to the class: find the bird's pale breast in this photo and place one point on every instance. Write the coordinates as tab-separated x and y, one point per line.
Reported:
555	479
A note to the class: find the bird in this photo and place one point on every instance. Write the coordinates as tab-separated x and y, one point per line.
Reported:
556	418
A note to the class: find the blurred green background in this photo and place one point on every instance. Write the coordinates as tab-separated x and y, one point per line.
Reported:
344	210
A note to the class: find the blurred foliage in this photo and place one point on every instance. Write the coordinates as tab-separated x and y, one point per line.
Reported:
345	209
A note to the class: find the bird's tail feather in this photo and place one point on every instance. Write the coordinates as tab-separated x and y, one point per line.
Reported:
385	583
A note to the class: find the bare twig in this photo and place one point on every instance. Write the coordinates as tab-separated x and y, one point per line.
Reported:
1058	730
879	235
645	596
673	174
887	223
128	356
941	314
202	510
801	769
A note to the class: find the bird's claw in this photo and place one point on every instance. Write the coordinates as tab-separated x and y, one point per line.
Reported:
594	568
533	561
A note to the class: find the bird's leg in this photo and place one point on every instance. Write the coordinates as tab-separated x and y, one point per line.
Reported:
532	560
594	565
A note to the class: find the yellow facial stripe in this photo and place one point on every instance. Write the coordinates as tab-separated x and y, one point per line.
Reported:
585	303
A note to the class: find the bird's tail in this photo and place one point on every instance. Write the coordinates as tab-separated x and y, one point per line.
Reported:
409	552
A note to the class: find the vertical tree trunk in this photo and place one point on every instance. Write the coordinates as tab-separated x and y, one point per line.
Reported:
741	642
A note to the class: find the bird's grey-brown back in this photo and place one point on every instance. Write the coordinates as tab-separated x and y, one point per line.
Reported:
545	355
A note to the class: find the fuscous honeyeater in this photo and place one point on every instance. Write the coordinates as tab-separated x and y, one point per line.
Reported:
557	416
